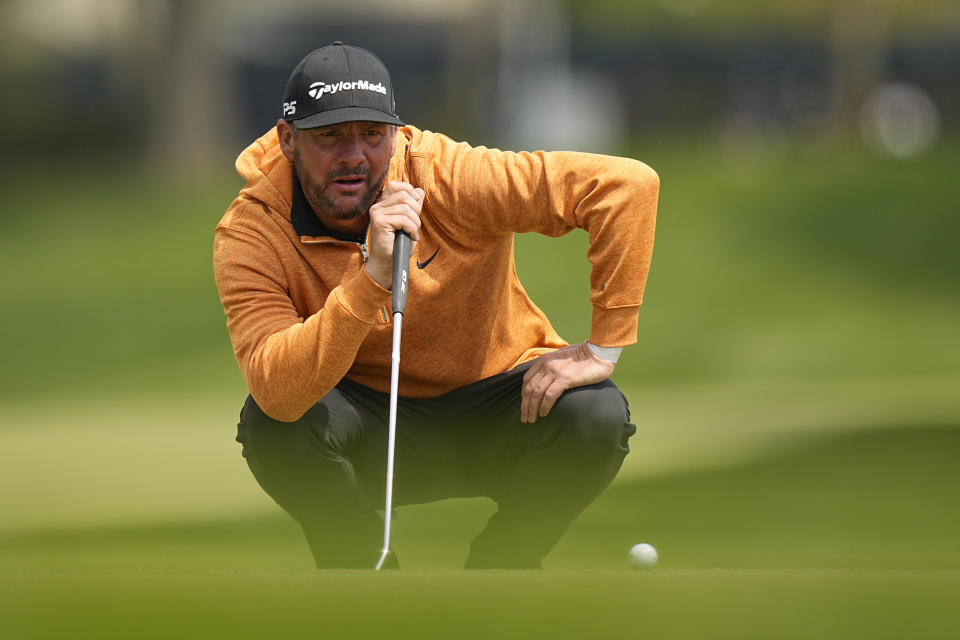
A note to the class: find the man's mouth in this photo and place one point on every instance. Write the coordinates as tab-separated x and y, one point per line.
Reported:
349	184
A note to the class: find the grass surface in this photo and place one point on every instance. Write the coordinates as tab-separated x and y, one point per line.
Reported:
675	604
851	536
794	387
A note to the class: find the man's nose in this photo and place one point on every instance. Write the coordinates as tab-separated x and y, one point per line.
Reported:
351	150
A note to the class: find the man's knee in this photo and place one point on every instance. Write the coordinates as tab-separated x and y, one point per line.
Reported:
332	427
596	415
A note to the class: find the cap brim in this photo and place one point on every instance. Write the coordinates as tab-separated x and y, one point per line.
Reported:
345	114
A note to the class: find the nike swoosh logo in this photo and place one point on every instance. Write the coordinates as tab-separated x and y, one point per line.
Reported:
422	265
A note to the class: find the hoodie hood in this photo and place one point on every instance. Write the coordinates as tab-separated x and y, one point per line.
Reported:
268	173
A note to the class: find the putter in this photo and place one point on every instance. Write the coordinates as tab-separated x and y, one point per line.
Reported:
401	273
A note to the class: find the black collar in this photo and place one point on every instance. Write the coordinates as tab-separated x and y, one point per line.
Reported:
305	220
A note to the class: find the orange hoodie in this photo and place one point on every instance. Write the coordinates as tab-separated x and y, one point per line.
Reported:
303	313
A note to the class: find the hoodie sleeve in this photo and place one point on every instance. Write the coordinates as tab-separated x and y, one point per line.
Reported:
613	199
288	362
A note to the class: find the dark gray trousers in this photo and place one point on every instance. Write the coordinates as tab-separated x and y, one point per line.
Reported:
327	470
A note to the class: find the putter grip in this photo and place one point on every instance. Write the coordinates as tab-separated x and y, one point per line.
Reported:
401	270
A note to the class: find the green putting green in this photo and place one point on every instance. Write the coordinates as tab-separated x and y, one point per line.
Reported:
847	536
794	385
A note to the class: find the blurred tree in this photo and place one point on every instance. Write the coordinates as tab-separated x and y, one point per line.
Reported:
469	75
181	73
861	35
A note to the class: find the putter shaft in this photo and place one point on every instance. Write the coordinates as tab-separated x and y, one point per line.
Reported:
391	436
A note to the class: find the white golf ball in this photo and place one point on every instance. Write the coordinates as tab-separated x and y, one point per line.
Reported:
643	556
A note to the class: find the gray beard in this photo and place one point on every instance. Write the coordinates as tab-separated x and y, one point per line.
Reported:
324	206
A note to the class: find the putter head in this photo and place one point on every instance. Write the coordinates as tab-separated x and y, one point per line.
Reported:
388	560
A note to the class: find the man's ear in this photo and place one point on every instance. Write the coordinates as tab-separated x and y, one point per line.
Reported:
285	133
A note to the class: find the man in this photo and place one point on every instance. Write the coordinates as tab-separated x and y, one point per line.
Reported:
492	401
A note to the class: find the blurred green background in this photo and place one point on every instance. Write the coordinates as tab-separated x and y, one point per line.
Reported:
795	383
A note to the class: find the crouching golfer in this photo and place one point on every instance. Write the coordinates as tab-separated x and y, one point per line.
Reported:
492	402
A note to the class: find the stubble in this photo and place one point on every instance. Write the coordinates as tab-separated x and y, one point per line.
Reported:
323	204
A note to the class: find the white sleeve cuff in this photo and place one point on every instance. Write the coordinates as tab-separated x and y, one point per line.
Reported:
610	354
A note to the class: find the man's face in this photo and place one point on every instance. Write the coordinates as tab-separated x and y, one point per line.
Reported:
342	167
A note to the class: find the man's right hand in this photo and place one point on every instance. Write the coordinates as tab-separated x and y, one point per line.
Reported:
398	207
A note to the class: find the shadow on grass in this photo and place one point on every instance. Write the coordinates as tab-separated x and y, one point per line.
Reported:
880	499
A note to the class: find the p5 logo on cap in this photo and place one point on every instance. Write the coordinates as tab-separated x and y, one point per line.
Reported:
289	108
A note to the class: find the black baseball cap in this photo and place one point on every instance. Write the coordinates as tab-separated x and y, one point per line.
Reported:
339	83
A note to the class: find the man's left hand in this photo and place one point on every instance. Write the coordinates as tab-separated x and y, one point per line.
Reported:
555	372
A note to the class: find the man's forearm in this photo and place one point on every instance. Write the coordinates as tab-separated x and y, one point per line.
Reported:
289	370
